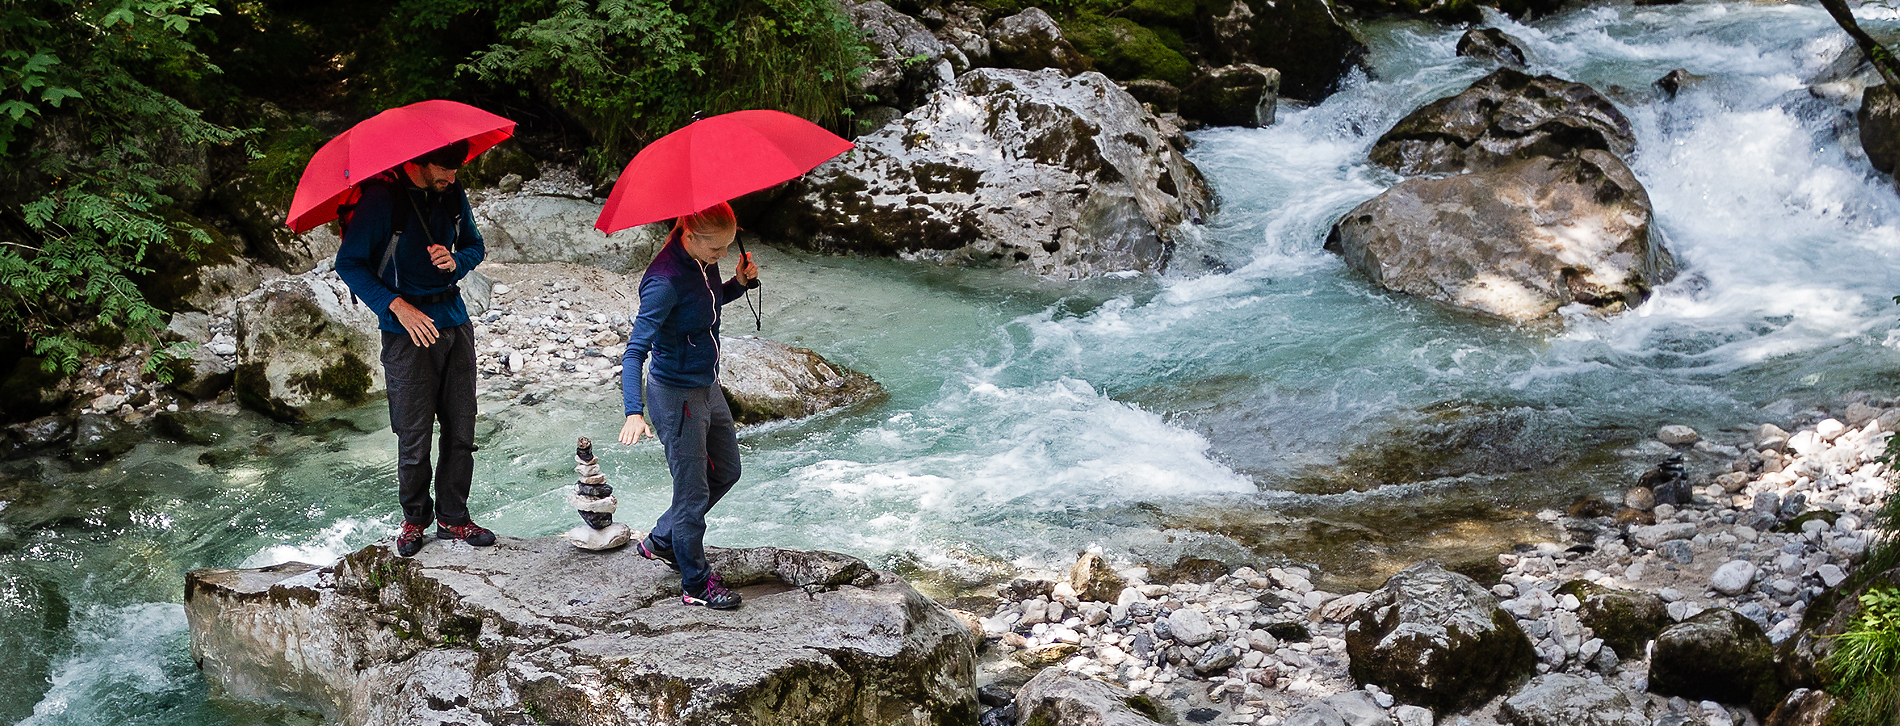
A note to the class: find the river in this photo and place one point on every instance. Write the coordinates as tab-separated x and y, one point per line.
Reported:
1277	408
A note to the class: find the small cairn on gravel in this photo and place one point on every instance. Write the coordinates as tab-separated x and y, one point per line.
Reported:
1764	522
593	497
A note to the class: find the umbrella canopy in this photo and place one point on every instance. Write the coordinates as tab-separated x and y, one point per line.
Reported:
714	160
382	143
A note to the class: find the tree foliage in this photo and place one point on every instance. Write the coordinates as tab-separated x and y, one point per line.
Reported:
87	117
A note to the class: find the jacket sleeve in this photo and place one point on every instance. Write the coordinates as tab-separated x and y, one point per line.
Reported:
657	298
470	238
733	289
358	258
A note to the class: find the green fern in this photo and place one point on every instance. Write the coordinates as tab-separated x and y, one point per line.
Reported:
1866	661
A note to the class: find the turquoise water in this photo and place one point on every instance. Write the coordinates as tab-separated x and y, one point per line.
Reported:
1278	408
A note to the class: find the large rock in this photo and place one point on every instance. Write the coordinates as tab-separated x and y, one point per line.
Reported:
1626	620
1236	95
1060	176
1504	117
1518	241
202	375
544	228
258	214
1491	44
537	631
306	348
765	380
1031	41
907	61
1562	699
1056	697
1436	638
1304	39
1879	117
1716	656
1803	707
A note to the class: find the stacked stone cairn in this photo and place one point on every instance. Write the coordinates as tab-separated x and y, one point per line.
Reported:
1637	613
593	497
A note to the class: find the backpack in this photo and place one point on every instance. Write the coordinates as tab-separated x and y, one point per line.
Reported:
347	211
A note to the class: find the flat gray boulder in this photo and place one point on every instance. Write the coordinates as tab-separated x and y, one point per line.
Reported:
1056	697
1435	638
1562	699
537	631
1059	176
1518	241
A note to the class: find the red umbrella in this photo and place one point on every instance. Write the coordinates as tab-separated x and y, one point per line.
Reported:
714	160
381	143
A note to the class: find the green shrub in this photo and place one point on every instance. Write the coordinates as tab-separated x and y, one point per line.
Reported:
1866	662
87	93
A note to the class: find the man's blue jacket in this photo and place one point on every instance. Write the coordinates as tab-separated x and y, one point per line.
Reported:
678	323
446	218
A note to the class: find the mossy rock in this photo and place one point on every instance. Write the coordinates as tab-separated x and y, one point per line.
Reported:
1793	526
1305	41
1161	13
1716	656
1626	620
1125	50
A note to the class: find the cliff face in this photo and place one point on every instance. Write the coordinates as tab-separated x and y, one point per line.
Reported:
535	631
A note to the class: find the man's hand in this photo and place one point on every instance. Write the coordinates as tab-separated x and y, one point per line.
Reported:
635	428
748	270
441	257
421	328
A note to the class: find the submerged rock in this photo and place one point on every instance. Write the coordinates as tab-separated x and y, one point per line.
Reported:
1060	176
1507	116
1518	241
1436	638
537	630
306	348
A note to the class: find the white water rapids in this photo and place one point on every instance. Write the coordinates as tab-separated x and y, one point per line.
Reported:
1230	413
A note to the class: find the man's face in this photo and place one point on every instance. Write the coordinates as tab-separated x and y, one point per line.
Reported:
709	247
435	178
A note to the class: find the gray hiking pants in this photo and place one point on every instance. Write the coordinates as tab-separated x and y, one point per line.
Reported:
702	451
427	385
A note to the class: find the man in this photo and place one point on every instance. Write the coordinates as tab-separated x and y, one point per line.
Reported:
409	240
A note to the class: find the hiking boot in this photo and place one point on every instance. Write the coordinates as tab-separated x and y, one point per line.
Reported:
654	553
410	541
714	595
471	533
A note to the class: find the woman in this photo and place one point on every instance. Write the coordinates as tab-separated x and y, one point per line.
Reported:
680	297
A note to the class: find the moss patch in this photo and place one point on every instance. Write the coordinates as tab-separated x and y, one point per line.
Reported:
347	380
1126	50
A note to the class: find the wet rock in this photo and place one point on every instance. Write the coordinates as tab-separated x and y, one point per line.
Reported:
1194	569
98	437
1718	656
1518	241
1031	41
1562	699
1491	44
1640	498
1068	177
1674	81
306	348
1506	116
1677	435
907	61
43	433
544	228
1879	117
1437	639
202	375
381	639
765	380
193	427
1055	696
995	696
1237	95
1304	39
1626	620
1093	579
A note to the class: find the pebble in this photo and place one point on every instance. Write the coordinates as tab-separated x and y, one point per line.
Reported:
1677	435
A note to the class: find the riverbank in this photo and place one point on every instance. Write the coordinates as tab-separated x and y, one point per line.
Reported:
1785	522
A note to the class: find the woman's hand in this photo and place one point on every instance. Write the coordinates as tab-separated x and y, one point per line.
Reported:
748	270
635	428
